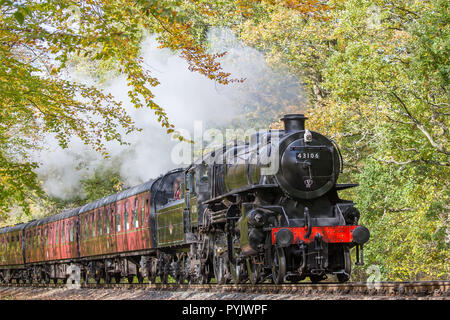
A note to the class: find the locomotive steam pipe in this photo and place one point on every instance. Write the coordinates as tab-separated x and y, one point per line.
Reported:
307	223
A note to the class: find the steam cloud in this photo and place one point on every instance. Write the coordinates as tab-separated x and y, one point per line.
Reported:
186	97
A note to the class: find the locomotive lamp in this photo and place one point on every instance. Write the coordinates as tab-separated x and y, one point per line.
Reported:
307	137
361	235
284	237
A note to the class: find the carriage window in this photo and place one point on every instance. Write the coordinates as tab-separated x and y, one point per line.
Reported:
126	225
93	224
71	227
86	226
100	223
142	211
57	234
135	221
63	232
111	220
118	218
107	221
46	236
147	211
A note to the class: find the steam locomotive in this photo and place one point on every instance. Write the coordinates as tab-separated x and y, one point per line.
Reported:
263	209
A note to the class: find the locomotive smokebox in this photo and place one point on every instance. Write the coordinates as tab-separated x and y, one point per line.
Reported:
294	122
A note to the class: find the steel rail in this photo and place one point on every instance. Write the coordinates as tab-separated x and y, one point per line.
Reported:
397	288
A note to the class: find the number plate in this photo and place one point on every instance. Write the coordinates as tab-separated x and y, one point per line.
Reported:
308	155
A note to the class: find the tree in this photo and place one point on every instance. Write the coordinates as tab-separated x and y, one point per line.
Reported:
38	40
377	78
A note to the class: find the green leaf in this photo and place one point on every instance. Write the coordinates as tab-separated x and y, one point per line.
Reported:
19	16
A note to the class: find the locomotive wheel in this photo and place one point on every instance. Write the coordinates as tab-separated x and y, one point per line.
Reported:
85	277
130	279
152	270
152	278
316	278
347	266
98	278
180	278
238	272
254	271
278	266
140	278
237	269
165	277
205	276
179	271
117	278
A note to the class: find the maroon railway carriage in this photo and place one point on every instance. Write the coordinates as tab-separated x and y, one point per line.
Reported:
109	238
51	245
12	264
114	232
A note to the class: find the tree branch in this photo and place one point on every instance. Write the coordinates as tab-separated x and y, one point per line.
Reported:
421	127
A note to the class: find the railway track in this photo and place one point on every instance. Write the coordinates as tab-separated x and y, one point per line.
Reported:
410	288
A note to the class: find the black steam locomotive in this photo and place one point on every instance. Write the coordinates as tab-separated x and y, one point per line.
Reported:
270	209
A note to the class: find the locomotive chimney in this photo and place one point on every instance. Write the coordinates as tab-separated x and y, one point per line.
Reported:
294	122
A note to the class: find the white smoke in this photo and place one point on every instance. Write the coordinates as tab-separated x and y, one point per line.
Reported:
185	96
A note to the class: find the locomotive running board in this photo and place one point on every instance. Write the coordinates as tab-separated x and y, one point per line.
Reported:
344	186
241	190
